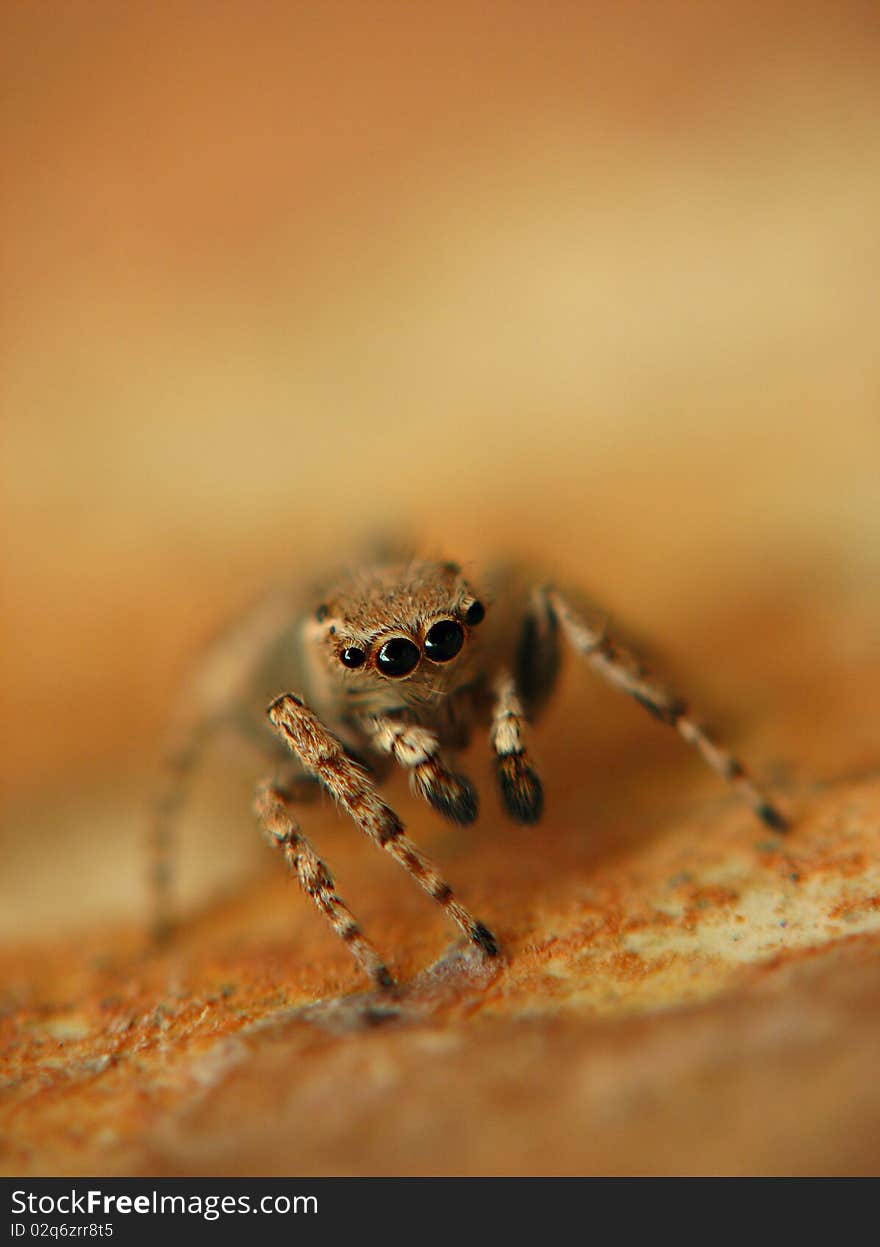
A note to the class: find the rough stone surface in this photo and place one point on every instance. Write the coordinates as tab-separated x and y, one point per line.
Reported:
680	991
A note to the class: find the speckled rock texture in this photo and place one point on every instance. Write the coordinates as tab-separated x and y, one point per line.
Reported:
680	990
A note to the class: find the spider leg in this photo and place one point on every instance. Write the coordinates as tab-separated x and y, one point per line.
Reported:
416	749
621	668
520	786
536	668
282	832
324	756
212	698
185	748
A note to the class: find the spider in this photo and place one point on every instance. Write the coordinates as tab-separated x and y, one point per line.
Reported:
396	663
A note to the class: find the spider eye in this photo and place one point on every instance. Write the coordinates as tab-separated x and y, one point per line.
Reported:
353	657
475	614
398	657
444	640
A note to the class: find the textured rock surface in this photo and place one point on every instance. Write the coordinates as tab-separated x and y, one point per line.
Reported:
681	991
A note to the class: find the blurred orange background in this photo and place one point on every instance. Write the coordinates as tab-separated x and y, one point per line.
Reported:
595	283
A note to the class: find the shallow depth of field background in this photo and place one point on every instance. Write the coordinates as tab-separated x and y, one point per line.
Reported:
594	283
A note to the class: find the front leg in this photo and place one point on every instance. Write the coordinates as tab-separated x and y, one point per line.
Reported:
324	756
282	832
416	749
521	789
621	668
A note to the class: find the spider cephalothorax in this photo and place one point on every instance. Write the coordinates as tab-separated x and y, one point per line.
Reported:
397	662
400	634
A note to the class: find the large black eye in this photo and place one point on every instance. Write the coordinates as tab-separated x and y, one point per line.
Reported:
398	657
444	640
353	657
474	614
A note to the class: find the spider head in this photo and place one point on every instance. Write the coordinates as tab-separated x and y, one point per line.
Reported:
400	633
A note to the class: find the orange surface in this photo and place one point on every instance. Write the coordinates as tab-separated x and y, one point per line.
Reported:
668	964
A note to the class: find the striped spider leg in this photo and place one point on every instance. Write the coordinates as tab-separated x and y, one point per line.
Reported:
416	749
518	782
621	668
323	755
281	831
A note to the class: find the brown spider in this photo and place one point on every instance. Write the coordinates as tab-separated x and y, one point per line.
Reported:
398	661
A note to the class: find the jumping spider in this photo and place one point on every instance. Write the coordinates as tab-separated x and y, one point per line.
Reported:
397	662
